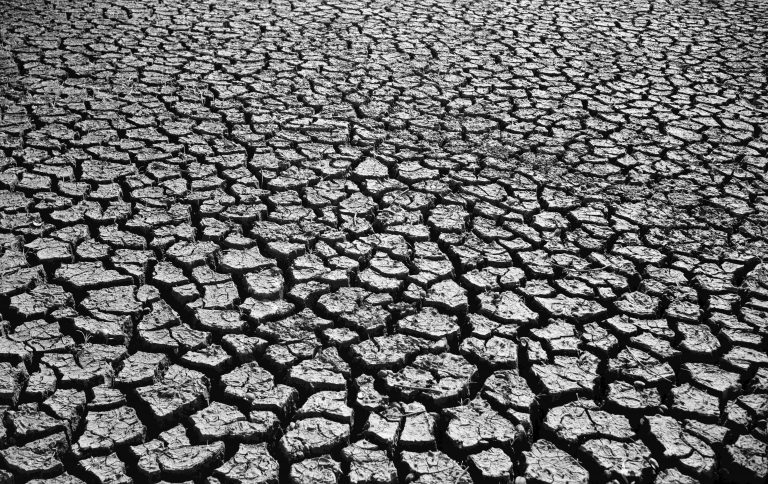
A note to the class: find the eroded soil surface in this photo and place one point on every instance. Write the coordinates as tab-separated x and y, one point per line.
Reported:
383	241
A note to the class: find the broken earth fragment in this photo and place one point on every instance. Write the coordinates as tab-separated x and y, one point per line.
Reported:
313	437
545	463
251	464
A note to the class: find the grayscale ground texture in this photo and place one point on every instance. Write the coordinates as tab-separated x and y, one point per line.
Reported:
384	242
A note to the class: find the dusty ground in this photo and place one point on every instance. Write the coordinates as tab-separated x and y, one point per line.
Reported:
383	242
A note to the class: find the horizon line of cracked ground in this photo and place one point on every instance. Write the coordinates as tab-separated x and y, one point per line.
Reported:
383	242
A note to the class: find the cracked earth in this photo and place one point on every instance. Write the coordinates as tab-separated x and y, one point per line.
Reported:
383	242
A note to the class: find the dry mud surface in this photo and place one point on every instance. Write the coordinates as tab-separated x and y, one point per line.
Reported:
383	241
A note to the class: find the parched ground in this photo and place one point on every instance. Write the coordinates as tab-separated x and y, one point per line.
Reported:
425	241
